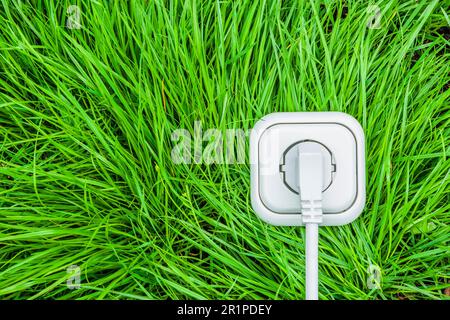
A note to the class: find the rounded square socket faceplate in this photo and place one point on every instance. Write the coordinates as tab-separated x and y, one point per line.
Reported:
341	134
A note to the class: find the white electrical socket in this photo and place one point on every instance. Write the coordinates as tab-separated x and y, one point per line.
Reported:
274	143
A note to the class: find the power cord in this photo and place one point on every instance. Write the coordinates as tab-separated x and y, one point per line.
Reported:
310	175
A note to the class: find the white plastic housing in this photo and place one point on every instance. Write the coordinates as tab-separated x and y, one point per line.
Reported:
341	135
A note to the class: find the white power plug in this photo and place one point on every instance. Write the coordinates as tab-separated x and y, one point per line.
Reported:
308	168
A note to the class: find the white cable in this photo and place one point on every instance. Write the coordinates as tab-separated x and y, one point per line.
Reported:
312	265
310	175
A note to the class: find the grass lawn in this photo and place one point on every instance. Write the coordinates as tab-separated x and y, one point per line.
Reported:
87	180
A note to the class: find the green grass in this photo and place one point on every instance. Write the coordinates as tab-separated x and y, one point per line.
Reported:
86	176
